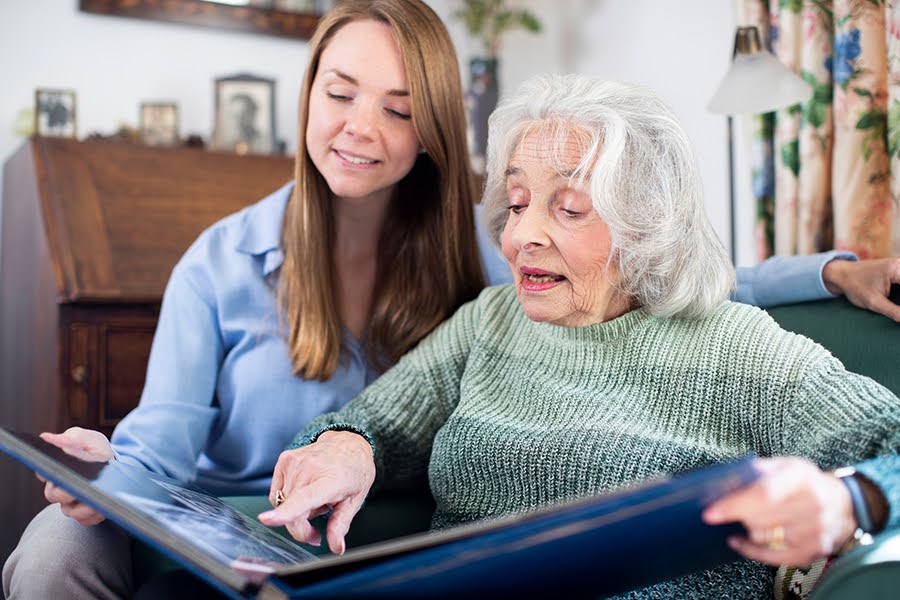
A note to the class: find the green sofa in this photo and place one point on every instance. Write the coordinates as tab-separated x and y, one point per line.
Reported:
866	343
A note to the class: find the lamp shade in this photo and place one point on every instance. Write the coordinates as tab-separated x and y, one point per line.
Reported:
756	82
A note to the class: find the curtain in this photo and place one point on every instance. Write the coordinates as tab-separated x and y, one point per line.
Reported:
826	174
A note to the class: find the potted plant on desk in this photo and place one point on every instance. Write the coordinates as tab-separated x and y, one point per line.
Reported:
487	21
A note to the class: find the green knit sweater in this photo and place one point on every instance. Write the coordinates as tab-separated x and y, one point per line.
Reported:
503	414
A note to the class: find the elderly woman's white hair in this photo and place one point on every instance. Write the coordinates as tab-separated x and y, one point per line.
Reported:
642	176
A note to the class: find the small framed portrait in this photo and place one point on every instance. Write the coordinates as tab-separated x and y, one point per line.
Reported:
54	113
159	123
245	114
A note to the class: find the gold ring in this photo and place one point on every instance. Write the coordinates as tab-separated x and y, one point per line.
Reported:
279	498
775	538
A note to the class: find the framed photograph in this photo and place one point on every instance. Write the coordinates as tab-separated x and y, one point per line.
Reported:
245	114
159	123
54	113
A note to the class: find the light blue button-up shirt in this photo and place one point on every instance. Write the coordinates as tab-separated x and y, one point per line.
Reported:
220	401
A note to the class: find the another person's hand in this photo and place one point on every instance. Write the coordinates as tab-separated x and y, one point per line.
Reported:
334	473
865	283
794	513
88	445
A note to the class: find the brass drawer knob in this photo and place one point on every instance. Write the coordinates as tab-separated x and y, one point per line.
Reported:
79	374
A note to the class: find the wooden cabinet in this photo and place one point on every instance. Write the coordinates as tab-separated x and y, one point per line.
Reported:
91	231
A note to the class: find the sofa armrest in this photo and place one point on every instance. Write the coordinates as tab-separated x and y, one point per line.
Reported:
871	571
866	342
869	344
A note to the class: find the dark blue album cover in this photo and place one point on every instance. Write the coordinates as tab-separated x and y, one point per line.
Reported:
598	546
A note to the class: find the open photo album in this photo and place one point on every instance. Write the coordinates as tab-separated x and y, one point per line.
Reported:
599	545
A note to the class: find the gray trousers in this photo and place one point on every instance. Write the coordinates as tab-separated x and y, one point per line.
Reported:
58	558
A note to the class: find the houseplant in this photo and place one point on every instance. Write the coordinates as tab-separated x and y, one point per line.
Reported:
487	21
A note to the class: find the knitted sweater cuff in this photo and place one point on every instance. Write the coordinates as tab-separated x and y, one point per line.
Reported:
307	439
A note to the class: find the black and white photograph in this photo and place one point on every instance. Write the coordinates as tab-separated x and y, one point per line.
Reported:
159	123
245	115
54	113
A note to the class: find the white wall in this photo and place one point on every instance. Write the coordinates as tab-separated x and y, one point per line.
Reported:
681	49
113	63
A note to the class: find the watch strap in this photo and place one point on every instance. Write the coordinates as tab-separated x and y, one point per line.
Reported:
858	500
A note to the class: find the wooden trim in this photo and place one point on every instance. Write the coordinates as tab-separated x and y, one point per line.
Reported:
209	14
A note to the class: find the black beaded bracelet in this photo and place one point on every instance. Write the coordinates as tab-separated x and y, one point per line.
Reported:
345	427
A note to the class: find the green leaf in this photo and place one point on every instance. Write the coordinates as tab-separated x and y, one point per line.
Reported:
790	156
794	6
815	114
530	22
893	138
871	119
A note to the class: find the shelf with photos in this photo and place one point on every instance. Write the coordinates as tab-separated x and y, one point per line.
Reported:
244	119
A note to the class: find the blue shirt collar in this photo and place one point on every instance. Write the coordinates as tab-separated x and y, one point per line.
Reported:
261	229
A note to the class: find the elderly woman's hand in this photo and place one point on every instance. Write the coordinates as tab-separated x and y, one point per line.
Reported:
334	473
88	445
794	513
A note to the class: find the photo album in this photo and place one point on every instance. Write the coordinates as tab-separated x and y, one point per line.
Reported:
603	544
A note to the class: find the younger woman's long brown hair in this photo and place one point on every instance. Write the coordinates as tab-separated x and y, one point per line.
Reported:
428	261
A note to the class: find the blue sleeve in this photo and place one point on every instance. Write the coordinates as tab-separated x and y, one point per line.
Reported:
786	279
171	425
496	269
884	471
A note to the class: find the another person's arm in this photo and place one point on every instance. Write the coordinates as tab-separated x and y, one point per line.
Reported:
790	279
171	425
866	283
786	279
389	430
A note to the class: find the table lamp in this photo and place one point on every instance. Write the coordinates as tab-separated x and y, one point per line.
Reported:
756	83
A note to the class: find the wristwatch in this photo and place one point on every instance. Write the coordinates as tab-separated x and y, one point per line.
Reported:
865	527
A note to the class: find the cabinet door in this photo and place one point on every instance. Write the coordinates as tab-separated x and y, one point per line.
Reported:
105	354
124	351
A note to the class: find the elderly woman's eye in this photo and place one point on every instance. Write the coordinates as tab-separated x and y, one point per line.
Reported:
515	208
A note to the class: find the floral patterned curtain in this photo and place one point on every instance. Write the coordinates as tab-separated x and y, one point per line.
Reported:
832	163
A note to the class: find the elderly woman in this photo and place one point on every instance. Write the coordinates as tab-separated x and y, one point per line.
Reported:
613	357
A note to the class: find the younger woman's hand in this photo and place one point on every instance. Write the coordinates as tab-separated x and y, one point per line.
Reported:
88	445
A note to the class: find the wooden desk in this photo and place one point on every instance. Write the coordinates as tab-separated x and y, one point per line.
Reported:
91	231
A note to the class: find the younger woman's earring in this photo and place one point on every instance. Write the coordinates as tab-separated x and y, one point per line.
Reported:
422	150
